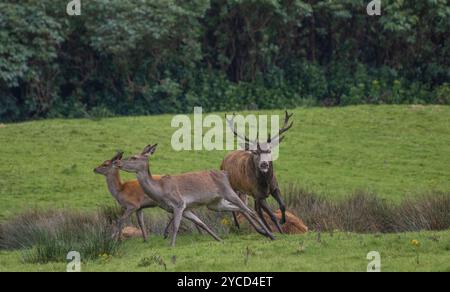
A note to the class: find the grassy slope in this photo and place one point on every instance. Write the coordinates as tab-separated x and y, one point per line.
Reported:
392	150
340	252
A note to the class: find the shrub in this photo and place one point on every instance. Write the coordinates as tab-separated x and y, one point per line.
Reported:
48	236
45	236
442	94
137	57
367	213
430	212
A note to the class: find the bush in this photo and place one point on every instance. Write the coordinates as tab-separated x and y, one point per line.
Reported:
137	57
366	213
442	94
46	236
430	212
49	236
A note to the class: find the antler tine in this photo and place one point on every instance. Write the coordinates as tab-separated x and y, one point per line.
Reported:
233	129
286	121
285	128
258	146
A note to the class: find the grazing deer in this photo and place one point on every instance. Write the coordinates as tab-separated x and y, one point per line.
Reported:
179	194
251	172
129	195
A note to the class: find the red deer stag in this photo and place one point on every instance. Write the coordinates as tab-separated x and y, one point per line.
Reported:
251	172
179	194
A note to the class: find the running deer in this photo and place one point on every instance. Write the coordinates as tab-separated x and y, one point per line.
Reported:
179	194
129	195
251	172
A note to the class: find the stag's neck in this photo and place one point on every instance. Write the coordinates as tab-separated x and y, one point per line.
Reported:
264	179
114	183
151	187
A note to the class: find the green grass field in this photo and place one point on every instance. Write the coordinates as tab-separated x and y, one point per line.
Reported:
340	252
395	151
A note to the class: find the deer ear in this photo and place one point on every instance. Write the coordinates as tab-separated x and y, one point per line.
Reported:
153	150
149	150
118	156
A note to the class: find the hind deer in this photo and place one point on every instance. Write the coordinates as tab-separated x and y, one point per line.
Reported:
251	172
179	194
130	196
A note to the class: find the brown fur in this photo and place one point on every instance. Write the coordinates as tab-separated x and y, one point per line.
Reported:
251	172
243	174
130	232
293	225
131	193
246	178
180	193
130	196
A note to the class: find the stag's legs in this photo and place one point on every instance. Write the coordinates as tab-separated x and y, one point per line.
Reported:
243	197
277	196
248	213
225	206
235	204
236	222
140	220
260	213
199	223
272	216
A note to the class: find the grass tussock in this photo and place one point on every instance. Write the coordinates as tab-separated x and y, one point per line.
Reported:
47	236
364	212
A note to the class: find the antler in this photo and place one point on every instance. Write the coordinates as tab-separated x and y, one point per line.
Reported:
285	128
235	132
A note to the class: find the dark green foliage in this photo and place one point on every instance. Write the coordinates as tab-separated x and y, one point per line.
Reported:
134	57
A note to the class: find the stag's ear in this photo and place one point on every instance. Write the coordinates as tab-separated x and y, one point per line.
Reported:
118	156
149	150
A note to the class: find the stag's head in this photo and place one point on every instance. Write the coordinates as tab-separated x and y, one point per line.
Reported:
262	151
108	166
137	163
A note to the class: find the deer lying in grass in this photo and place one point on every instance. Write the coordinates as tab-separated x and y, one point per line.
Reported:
130	196
181	193
251	172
